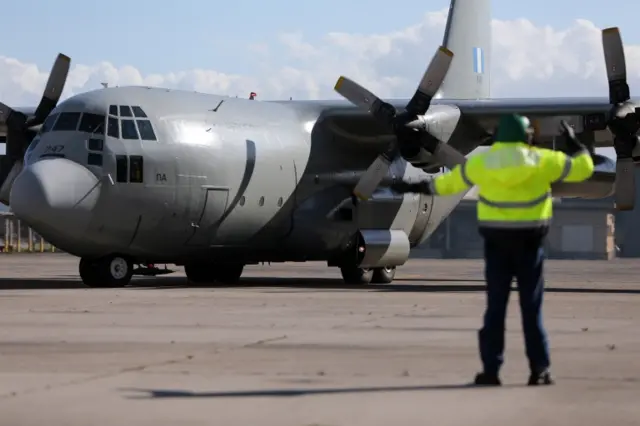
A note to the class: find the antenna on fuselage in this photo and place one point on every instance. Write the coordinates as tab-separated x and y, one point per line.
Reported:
105	85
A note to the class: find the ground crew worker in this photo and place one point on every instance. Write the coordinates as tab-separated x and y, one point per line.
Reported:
514	210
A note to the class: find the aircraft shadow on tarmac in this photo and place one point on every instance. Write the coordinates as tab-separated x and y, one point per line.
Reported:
411	285
289	392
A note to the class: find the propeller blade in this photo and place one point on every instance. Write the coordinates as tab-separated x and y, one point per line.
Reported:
372	177
448	156
53	89
616	65
431	82
361	97
444	153
418	105
625	184
623	123
11	117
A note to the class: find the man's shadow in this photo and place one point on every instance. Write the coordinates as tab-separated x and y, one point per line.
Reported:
296	392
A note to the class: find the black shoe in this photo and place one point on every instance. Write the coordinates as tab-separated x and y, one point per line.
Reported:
486	379
543	378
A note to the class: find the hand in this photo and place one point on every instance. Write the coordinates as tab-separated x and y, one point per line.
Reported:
571	140
421	187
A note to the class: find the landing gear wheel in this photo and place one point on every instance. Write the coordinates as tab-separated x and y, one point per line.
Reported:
384	275
354	275
200	273
229	274
106	272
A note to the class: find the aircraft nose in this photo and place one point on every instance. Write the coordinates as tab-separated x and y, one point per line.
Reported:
56	194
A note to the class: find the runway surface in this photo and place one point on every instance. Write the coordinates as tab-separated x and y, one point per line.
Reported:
292	345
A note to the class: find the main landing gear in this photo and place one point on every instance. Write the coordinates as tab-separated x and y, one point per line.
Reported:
355	275
207	273
114	271
109	271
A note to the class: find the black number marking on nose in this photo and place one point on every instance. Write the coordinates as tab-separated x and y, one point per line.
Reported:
53	149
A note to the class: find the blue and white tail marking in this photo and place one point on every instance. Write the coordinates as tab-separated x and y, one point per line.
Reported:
478	60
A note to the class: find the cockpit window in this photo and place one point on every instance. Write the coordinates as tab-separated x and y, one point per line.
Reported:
125	111
128	129
92	123
146	130
138	112
113	110
67	121
113	129
48	123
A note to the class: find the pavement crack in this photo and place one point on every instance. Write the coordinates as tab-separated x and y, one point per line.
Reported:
83	380
131	369
263	341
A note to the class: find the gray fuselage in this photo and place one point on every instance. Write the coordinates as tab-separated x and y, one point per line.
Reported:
197	175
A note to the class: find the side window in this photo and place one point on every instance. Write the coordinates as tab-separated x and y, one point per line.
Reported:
67	121
122	168
94	159
128	129
146	130
136	169
125	111
113	128
95	144
138	112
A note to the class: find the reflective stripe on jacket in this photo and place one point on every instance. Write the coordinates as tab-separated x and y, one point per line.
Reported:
514	182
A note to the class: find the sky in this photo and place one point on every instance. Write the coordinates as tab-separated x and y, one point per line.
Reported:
283	49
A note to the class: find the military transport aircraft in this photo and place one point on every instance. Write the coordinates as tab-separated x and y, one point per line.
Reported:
127	178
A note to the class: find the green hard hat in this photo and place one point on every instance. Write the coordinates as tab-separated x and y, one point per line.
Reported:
513	128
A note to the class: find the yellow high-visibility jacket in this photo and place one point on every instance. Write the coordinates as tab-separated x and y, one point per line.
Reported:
514	182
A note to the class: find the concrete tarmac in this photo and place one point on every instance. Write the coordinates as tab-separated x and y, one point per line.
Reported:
292	345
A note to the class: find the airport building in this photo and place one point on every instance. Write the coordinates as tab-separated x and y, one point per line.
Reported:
628	224
581	229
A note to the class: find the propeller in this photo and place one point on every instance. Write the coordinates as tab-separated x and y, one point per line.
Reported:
20	127
409	126
624	120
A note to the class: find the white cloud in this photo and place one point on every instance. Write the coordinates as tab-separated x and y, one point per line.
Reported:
527	61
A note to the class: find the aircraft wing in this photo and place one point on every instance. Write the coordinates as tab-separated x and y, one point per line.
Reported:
585	114
478	118
588	116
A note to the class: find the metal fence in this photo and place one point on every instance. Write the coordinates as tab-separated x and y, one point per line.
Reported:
19	238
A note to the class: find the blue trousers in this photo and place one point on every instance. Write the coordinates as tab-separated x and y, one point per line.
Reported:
508	255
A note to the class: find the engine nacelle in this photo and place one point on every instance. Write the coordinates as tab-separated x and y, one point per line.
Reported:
592	189
600	185
441	121
379	248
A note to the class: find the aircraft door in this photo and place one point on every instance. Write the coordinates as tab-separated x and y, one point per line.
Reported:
286	174
205	225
